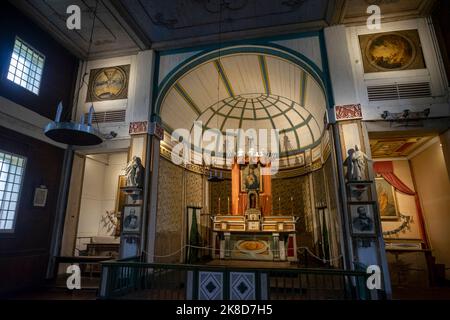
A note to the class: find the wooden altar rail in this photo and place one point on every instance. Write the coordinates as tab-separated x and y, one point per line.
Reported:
156	281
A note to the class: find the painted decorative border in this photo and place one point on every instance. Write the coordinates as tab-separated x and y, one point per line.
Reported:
157	130
138	127
348	112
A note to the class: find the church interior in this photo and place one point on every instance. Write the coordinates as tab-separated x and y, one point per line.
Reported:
225	150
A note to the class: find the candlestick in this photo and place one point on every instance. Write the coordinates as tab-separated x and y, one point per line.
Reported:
279	205
292	206
91	113
219	205
228	205
238	204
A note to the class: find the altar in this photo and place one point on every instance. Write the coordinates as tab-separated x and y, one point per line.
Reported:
251	231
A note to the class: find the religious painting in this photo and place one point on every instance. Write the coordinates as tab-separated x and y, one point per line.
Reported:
362	219
120	196
131	219
251	178
387	200
391	51
108	83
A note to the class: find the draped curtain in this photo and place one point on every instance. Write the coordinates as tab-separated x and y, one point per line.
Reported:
386	170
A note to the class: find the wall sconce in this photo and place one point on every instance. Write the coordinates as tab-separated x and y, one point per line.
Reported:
405	115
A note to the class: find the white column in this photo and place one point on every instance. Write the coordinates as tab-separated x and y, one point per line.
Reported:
340	65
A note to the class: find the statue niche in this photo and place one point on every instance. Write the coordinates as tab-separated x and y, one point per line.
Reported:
253	212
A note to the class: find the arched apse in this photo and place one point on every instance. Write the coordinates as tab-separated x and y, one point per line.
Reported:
246	87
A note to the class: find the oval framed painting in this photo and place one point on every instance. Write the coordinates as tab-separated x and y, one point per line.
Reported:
391	51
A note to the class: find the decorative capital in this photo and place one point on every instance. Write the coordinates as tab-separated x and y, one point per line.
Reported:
138	127
348	112
156	130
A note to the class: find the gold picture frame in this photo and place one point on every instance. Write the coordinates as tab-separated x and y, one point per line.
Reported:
110	83
120	196
387	200
391	51
251	178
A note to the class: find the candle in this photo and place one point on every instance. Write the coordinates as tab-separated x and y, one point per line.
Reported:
279	205
91	112
59	112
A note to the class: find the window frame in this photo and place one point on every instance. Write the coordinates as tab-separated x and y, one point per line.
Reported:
39	53
24	166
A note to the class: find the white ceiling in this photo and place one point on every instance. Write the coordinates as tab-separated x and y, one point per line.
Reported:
249	90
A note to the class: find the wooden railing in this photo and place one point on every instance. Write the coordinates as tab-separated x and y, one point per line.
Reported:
154	281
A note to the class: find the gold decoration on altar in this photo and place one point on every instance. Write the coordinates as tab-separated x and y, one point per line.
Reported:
251	246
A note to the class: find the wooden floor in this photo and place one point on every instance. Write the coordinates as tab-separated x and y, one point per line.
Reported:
53	294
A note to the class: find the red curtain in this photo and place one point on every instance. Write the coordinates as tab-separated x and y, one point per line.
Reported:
386	170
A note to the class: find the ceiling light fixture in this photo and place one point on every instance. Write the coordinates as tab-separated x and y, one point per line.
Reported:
76	133
73	133
215	175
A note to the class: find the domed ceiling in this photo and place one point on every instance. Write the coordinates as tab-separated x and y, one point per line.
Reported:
249	90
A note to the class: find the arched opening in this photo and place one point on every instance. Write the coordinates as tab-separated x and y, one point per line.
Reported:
248	88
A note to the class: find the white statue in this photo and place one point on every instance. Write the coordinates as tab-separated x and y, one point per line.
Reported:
134	172
356	164
359	164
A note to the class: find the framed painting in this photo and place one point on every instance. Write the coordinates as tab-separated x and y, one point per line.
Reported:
251	178
131	218
109	83
362	219
387	200
120	196
391	51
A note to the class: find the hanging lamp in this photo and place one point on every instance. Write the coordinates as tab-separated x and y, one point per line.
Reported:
217	175
76	133
73	133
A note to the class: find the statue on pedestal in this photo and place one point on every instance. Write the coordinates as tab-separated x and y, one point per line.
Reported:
356	164
134	172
